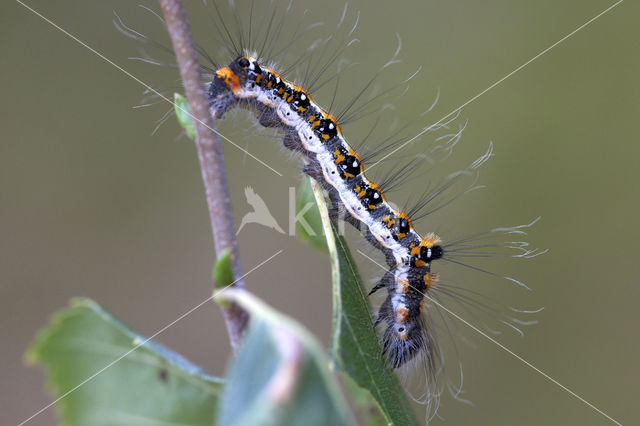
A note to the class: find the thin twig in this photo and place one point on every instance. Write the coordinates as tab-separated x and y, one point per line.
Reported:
210	154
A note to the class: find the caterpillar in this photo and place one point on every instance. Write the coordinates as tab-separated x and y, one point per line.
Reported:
333	162
251	81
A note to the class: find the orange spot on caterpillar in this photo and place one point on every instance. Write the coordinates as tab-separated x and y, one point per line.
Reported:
429	280
401	314
404	285
339	159
388	221
274	72
230	78
302	90
362	193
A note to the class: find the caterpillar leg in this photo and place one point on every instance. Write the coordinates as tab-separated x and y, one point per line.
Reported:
267	117
377	287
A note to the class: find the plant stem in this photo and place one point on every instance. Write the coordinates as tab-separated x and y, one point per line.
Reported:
210	155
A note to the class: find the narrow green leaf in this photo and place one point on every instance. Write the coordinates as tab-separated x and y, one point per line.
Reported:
183	114
222	270
309	228
280	375
365	405
355	347
129	380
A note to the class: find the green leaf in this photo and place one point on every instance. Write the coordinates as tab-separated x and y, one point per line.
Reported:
355	347
364	403
107	374
222	270
309	228
280	375
183	114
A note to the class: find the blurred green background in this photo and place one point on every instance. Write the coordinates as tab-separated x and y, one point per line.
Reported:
93	204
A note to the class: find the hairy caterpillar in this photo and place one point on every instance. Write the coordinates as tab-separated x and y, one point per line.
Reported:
309	129
317	135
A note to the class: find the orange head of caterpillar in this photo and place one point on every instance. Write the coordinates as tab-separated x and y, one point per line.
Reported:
229	81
